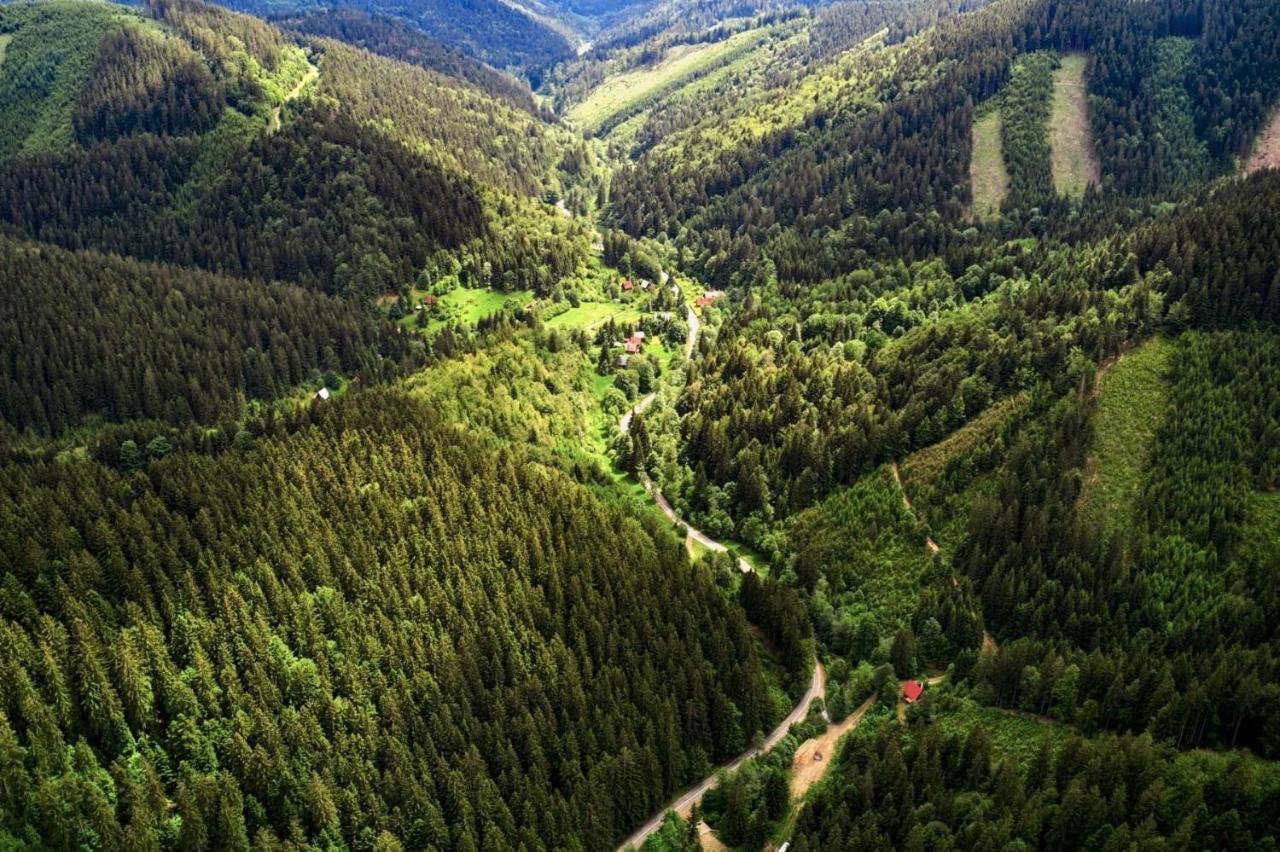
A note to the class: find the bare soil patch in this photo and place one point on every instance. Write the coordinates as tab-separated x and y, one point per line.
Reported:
1266	154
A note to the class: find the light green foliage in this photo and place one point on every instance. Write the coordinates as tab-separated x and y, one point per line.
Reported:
516	391
1013	733
1131	407
1025	111
863	553
944	480
592	314
1218	443
465	305
621	94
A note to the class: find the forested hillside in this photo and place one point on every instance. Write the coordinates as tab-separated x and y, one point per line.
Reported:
503	35
253	174
87	334
370	628
394	38
491	425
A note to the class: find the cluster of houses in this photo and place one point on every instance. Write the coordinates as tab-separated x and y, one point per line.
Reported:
628	285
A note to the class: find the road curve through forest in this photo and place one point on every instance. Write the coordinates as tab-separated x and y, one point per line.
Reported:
624	426
684	803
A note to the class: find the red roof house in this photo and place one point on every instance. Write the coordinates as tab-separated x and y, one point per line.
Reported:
628	285
912	690
633	345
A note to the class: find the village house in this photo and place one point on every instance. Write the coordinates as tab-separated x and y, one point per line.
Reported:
912	690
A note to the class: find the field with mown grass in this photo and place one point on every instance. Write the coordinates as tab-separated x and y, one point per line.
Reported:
1075	163
987	171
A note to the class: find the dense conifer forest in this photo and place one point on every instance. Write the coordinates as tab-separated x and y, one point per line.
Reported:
581	425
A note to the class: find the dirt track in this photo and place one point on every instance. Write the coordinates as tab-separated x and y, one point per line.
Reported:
814	756
906	501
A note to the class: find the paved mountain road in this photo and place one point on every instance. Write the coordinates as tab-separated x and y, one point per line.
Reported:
684	803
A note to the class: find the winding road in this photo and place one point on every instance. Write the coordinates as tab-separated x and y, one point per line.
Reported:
684	803
624	425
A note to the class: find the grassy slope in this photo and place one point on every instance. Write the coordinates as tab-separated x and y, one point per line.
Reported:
621	93
745	67
845	83
1075	164
1130	409
987	171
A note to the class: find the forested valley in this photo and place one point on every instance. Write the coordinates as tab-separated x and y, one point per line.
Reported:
660	425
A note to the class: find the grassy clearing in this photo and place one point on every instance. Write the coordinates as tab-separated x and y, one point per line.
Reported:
1075	163
990	179
5	38
619	94
470	305
1130	409
465	305
591	314
1266	153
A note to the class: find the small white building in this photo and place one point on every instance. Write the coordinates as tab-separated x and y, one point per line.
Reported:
323	393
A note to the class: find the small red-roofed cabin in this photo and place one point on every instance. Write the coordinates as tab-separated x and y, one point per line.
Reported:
628	286
912	690
632	345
